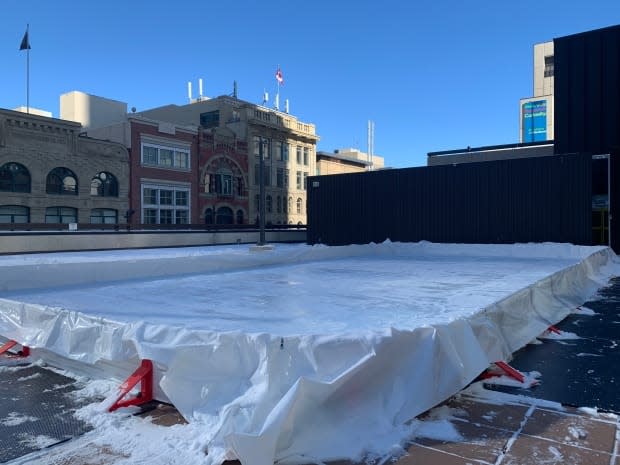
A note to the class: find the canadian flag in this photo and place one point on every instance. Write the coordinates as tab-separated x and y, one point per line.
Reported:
279	77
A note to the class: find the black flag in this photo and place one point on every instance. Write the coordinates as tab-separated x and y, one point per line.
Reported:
25	45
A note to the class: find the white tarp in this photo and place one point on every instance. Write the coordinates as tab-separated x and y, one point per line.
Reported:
303	353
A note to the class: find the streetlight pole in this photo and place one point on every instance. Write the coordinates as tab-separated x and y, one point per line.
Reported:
261	175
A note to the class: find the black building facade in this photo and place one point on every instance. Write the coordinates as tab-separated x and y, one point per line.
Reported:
571	196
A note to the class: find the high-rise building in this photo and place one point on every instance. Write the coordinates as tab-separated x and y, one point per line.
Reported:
536	112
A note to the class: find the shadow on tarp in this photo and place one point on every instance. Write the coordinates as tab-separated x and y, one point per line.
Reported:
36	410
579	372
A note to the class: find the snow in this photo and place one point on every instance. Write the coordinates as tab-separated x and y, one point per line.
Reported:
295	355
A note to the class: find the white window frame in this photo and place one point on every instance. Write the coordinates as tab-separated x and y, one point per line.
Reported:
176	150
173	207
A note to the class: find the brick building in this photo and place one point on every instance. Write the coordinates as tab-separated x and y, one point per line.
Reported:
163	169
51	173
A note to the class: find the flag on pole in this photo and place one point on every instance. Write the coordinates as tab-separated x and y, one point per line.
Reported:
279	77
25	45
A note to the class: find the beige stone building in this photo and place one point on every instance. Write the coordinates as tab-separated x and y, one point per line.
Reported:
288	145
49	173
346	160
536	113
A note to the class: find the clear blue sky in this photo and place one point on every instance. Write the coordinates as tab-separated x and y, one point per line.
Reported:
432	75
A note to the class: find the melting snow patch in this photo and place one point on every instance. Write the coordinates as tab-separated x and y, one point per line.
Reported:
37	442
15	418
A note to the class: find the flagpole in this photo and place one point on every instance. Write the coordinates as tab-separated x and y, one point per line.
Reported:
28	72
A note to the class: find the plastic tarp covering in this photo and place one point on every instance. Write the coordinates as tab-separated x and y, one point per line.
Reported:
302	353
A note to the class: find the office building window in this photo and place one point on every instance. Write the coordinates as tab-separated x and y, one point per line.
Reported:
63	215
165	157
305	181
549	66
298	154
104	184
61	181
299	204
299	180
103	216
306	156
165	204
14	177
14	214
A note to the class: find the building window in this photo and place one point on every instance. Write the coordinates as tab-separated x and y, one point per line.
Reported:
63	215
104	184
280	177
305	181
210	119
220	183
549	66
299	203
208	216
61	181
239	216
103	216
165	157
298	153
266	147
224	215
290	204
14	177
279	204
299	180
306	156
277	150
286	178
269	204
165	204
14	214
284	151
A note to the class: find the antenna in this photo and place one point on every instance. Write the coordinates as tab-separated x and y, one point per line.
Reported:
265	97
286	105
235	89
276	103
200	89
371	142
189	91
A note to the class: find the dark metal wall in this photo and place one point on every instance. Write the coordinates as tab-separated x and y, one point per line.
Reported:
525	200
587	92
587	103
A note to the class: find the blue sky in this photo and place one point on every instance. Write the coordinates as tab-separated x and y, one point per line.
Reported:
432	75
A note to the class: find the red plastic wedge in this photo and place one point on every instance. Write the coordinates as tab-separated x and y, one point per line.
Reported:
553	329
506	369
25	352
144	376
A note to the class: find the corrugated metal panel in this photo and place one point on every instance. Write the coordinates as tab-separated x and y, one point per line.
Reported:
526	200
587	94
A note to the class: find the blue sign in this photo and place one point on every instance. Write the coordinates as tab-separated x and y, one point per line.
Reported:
534	121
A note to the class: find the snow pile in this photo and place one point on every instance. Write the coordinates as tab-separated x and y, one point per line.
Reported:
304	353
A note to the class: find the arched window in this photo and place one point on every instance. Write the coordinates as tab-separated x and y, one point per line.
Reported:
14	214
14	178
224	215
239	216
299	202
290	204
269	204
209	216
61	215
61	181
103	216
104	184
